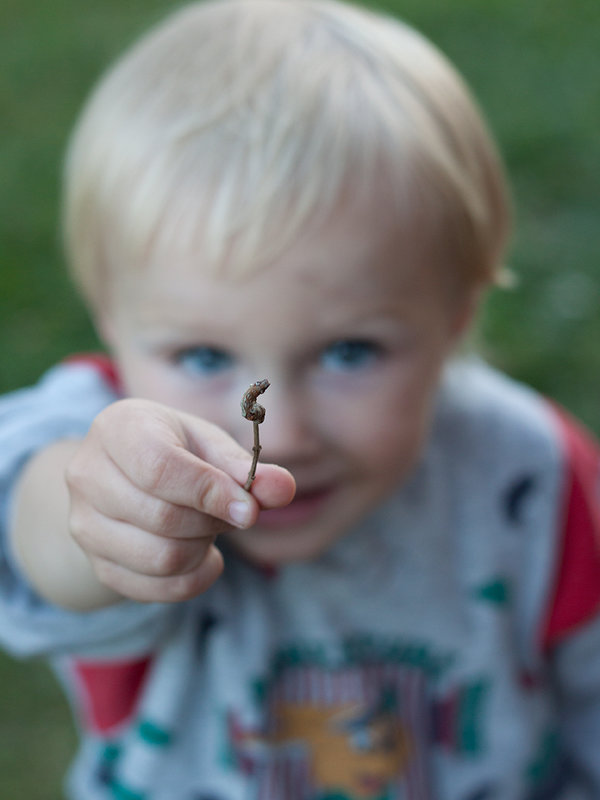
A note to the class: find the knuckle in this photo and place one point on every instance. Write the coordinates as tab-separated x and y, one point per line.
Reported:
180	588
207	494
129	415
189	585
167	518
172	559
75	474
155	469
102	424
78	532
104	572
127	409
78	527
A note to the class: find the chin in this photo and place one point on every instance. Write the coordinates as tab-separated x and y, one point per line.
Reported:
266	547
305	529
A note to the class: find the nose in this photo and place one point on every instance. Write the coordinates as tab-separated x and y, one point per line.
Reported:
288	434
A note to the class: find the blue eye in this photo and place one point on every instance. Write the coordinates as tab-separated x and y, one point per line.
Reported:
350	354
204	361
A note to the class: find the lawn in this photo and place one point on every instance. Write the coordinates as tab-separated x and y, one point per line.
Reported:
534	68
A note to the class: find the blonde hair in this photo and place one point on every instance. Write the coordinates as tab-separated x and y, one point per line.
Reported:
235	123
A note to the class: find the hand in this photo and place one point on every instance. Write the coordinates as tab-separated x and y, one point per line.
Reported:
150	490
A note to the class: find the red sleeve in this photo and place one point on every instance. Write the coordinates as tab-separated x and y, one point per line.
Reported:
577	582
106	693
103	364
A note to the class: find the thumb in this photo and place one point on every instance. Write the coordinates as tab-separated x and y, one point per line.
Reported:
273	485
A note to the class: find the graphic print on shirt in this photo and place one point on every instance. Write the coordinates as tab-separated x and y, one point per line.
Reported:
353	731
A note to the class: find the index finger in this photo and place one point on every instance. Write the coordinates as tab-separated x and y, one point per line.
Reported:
177	458
178	476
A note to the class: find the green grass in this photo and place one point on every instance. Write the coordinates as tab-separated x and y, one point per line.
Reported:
37	737
534	68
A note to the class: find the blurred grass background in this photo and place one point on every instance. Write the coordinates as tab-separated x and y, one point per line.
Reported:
534	67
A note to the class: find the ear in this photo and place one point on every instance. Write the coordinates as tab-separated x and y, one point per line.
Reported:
465	312
105	328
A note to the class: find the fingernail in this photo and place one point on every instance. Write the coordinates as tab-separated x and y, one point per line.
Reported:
240	513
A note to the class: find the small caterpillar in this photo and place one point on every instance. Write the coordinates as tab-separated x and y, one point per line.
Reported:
255	413
250	408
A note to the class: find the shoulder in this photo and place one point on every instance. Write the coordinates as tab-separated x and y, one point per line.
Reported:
487	417
62	403
576	585
82	374
97	364
486	414
514	448
475	393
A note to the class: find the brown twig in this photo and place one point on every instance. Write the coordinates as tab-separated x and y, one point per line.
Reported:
256	452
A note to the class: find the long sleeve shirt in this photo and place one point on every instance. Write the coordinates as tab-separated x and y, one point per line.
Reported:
448	647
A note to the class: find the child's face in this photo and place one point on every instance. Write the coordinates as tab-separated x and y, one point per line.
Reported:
351	326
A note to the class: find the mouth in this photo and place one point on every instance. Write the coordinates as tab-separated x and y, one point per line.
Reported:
372	784
305	506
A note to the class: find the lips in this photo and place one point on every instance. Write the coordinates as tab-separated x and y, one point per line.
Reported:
372	784
305	506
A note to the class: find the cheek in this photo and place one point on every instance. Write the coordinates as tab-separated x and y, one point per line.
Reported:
394	445
221	408
158	381
387	431
143	378
139	380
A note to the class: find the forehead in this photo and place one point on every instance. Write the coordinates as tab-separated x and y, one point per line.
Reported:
360	259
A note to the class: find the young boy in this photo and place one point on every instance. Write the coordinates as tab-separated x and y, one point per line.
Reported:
302	191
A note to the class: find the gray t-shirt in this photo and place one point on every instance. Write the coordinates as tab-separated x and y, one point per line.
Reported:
439	650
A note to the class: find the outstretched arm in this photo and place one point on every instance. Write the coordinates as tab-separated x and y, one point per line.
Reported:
48	556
